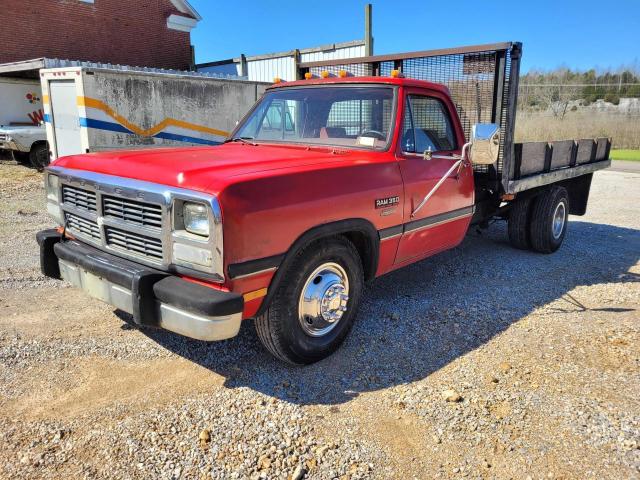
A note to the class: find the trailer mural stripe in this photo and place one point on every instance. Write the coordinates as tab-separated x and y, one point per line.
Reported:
122	125
149	132
116	127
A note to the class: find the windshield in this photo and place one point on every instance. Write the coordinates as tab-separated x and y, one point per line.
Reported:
345	116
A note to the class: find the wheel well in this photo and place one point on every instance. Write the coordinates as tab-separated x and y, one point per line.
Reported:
358	231
365	247
37	143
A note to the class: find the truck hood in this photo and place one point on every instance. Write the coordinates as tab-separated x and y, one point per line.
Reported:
204	169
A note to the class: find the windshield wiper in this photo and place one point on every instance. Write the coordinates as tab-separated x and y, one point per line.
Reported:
241	139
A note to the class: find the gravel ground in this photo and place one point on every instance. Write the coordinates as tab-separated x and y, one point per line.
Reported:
482	362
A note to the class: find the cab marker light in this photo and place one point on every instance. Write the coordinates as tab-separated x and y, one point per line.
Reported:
308	76
324	74
342	73
396	74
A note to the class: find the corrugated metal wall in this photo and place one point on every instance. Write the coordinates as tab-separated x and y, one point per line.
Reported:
267	69
264	68
346	52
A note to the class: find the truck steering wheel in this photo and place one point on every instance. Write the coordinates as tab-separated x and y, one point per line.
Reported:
373	133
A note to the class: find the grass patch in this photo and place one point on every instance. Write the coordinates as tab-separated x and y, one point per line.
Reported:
628	155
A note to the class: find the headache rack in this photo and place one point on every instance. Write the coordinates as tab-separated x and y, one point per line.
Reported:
483	82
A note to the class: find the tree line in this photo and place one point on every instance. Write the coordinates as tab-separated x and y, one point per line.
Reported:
558	89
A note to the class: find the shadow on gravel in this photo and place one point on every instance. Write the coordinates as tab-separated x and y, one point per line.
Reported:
445	307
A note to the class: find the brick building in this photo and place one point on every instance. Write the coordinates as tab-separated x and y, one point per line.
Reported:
150	33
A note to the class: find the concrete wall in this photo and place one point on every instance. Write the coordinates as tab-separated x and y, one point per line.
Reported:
111	31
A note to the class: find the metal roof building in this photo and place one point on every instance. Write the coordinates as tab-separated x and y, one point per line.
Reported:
283	65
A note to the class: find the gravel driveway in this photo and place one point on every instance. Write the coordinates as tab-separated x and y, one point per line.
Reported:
482	362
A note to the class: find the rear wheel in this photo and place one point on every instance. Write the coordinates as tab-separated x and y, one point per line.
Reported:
518	224
549	219
39	156
316	303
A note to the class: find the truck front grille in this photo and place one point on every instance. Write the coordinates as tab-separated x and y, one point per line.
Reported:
79	198
133	243
82	227
132	211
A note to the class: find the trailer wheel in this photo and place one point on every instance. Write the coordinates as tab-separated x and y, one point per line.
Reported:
315	304
39	156
518	223
549	219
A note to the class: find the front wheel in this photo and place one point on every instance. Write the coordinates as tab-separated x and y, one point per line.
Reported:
315	304
39	156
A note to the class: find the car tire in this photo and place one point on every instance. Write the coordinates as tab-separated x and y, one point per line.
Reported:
549	220
39	156
518	223
316	303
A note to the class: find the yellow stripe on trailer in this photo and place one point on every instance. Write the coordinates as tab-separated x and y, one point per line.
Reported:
149	132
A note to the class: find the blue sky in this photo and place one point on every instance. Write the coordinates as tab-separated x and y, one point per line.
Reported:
574	33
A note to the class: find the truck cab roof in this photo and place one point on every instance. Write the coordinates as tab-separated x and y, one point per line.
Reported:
398	81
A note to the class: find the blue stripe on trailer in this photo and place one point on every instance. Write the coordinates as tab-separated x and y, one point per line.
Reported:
116	127
101	125
185	138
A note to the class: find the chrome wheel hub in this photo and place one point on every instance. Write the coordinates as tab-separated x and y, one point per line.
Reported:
323	300
559	217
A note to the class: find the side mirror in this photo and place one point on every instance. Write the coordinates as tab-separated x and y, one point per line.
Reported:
485	143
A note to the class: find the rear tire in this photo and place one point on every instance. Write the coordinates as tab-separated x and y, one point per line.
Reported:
304	328
39	156
518	224
549	219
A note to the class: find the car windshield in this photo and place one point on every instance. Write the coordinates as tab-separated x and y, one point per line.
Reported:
345	116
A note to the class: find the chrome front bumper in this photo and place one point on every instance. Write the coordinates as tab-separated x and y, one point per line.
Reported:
12	145
169	318
153	298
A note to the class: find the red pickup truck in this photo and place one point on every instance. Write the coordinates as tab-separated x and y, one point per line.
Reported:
326	184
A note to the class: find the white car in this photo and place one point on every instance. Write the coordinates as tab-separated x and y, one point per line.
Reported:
26	142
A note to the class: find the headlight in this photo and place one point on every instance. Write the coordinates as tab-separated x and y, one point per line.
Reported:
52	186
196	218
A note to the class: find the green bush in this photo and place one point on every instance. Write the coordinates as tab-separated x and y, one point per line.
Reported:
612	98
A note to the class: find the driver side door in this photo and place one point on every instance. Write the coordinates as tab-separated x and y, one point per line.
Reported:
441	223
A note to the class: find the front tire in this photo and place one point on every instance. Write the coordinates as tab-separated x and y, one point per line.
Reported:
39	156
549	219
316	303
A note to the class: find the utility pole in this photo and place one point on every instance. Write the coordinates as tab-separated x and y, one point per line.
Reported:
368	30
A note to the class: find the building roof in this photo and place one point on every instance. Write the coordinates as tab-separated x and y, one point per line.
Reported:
31	68
183	6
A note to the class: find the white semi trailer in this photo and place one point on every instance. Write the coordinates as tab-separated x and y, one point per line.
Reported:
21	116
89	109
